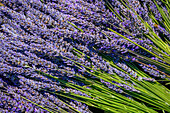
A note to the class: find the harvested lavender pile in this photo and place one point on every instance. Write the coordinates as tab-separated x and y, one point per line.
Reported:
84	56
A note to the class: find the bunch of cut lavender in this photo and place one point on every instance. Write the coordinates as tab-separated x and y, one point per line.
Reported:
63	56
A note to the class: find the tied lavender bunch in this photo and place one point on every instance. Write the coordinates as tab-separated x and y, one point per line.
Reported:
76	55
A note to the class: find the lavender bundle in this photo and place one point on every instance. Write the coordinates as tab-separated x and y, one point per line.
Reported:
76	55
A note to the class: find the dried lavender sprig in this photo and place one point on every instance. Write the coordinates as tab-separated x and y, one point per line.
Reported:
133	73
153	71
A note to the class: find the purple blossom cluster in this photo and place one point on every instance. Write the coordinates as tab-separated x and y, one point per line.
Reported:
116	87
36	37
152	71
133	73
